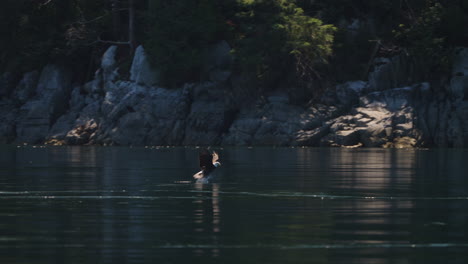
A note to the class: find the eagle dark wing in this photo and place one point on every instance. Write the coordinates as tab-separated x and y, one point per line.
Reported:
206	161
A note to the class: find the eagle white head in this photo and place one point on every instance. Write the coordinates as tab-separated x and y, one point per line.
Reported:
215	159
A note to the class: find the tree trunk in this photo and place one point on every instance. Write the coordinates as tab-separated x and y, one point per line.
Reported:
131	25
116	24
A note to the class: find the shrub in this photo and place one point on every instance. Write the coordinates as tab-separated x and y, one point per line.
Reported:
277	41
423	39
270	38
177	33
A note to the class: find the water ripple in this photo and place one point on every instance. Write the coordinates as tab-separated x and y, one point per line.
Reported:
314	246
331	197
99	197
53	195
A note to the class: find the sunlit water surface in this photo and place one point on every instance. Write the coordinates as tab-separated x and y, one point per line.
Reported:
265	205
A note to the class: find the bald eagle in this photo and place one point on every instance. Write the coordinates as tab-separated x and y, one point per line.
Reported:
208	163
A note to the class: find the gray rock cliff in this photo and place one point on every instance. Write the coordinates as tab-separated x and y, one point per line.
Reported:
388	110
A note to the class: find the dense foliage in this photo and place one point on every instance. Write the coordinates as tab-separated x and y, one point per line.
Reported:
275	43
276	40
36	32
177	34
269	38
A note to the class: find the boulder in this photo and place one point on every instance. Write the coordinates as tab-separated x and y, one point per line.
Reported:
167	104
159	114
460	62
54	80
459	83
456	127
278	99
26	88
62	126
115	105
34	122
7	132
442	114
115	93
389	73
376	134
170	109
312	137
348	93
51	101
392	99
166	132
109	65
132	129
242	131
276	122
81	134
7	84
80	124
341	138
8	113
141	71
93	87
77	99
459	88
383	119
107	110
206	118
436	116
401	142
78	115
462	113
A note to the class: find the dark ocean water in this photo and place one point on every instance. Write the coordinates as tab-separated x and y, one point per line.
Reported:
264	205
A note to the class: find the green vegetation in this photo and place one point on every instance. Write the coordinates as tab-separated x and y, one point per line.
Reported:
423	39
178	34
270	39
37	32
275	43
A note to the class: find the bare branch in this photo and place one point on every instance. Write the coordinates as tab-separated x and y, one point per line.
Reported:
120	9
46	3
113	42
93	20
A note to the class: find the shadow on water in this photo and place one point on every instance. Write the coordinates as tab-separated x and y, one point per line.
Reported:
275	205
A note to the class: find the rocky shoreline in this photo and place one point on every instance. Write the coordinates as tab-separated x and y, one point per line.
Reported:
47	108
